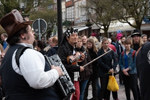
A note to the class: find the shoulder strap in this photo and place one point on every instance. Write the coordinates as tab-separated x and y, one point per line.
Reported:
122	53
133	53
19	53
138	50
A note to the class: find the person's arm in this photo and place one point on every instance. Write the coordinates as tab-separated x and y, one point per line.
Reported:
114	60
63	56
4	52
1	48
32	65
121	62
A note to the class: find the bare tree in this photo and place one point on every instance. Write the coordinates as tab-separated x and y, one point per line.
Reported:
136	9
101	12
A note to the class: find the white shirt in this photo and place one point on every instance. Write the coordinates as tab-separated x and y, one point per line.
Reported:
32	65
76	74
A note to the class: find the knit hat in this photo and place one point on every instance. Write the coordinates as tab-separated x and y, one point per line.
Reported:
119	35
94	34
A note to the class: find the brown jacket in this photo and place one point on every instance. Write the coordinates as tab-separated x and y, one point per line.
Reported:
88	69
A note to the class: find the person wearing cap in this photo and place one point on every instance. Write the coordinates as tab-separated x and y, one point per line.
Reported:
136	44
65	51
136	40
118	45
32	78
119	49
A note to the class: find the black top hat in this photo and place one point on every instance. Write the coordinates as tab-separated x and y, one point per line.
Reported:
135	32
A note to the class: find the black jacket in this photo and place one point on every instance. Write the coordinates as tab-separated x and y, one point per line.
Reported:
143	65
105	62
136	46
52	51
65	51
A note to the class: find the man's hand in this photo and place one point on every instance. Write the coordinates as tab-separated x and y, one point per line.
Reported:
58	70
81	68
2	55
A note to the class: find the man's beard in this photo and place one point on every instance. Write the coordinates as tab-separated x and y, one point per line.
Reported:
136	42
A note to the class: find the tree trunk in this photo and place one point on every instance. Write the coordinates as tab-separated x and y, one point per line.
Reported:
106	33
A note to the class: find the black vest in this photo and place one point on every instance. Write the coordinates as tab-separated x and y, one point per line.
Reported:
15	86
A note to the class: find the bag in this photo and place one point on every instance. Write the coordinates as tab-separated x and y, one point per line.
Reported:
112	84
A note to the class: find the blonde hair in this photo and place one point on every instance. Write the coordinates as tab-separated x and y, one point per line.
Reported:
55	39
103	40
94	38
79	37
93	44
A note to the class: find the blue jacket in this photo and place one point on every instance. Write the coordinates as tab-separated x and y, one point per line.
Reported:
131	62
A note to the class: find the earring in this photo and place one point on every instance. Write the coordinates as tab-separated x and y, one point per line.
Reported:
24	38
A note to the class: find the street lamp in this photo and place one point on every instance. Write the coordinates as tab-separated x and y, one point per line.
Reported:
88	23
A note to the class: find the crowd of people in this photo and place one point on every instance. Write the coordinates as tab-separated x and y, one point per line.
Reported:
34	79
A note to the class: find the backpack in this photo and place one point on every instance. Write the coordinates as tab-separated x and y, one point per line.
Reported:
133	53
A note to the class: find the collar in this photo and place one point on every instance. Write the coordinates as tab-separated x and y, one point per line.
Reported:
5	39
26	45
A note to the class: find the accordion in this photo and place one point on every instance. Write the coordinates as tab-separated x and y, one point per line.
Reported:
64	82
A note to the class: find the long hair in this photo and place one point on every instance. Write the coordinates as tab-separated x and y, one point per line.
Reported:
93	44
140	44
64	40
